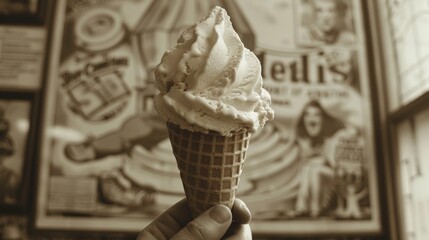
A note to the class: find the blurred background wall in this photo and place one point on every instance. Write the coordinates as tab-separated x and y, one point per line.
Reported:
84	155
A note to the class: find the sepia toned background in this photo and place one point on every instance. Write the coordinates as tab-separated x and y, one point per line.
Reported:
102	165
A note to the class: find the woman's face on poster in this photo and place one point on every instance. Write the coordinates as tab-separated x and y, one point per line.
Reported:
325	13
313	121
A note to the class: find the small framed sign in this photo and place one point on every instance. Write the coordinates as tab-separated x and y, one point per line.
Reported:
15	161
22	12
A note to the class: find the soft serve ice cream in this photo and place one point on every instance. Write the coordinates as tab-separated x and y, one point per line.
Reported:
210	81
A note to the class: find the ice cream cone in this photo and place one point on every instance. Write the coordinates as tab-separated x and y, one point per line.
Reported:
210	165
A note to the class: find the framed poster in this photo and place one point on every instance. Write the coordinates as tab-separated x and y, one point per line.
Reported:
15	157
106	161
22	54
13	227
22	12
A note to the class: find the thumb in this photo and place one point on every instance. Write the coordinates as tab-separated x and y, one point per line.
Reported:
210	225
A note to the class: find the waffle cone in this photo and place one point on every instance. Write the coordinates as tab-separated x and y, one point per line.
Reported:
210	165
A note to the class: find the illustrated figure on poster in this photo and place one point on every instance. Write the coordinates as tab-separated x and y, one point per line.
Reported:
143	130
8	178
327	23
316	134
351	186
353	197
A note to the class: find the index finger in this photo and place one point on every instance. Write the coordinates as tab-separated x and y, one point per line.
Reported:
241	213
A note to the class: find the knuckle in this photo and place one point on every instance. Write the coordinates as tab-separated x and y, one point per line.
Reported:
197	230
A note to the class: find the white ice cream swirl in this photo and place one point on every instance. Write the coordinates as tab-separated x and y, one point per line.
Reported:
210	81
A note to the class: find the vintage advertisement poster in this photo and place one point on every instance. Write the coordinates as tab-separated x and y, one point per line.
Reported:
21	57
106	157
14	132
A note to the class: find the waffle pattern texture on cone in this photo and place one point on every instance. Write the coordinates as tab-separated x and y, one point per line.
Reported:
210	165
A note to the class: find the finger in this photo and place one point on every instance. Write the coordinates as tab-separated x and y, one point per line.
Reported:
210	225
168	224
239	232
240	212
